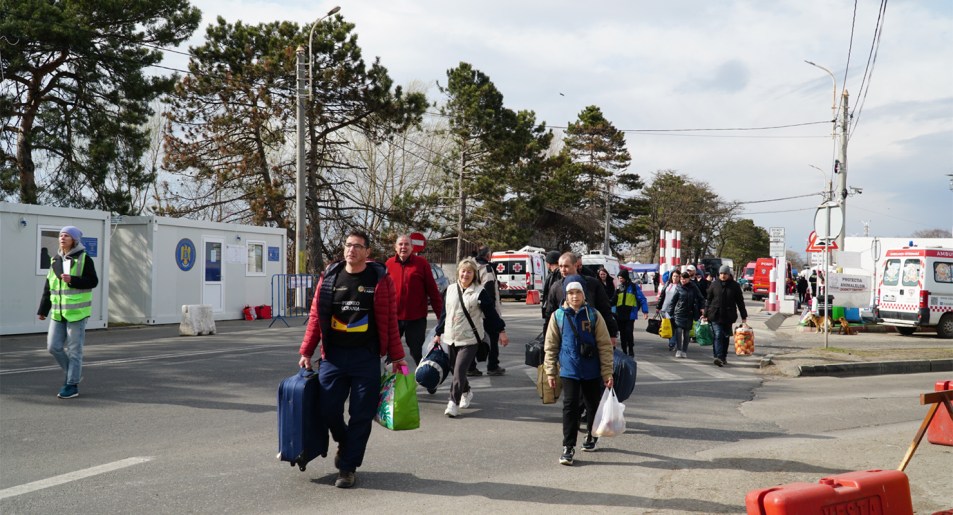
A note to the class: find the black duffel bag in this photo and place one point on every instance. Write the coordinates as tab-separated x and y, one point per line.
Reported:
535	352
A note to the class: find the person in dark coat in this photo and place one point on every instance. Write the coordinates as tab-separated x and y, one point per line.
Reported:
801	289
725	302
685	307
607	282
595	294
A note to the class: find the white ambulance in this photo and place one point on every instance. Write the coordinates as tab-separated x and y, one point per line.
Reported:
916	290
519	270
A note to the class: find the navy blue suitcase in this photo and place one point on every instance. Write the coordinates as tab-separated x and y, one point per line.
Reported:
302	433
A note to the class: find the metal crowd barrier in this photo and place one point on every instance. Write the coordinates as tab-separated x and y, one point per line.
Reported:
291	297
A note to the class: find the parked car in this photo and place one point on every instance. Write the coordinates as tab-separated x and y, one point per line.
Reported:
441	278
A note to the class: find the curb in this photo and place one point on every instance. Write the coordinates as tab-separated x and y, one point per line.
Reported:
876	368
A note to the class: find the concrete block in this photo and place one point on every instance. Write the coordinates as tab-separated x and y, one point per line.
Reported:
774	321
787	306
196	320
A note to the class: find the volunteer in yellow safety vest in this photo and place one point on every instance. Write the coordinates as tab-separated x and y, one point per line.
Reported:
68	301
626	305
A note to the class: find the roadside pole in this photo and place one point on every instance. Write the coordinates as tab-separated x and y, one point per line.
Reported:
841	168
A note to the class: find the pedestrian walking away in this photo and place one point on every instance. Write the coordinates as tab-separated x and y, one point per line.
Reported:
68	302
354	318
469	309
414	286
627	303
578	351
725	302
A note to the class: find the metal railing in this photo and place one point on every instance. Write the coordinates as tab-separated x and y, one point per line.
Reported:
291	297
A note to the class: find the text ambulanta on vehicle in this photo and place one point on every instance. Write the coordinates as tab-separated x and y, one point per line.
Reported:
916	290
519	270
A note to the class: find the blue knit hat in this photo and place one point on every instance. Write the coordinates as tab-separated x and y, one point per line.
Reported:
73	232
666	276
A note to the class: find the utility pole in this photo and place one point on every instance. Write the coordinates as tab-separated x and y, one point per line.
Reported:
605	244
841	168
300	254
463	207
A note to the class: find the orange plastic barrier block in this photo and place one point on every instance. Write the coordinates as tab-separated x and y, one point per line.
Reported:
869	492
940	430
532	296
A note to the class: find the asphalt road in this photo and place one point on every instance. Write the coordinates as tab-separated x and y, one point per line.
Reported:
171	424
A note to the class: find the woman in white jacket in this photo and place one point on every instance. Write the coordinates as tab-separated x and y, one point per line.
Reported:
466	297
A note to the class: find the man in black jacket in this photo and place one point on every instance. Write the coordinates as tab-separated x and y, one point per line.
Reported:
725	302
595	294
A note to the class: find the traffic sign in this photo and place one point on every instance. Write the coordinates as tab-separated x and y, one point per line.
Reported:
815	244
776	241
418	242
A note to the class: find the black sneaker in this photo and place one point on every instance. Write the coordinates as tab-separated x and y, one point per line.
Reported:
474	373
345	479
590	444
568	453
498	371
719	362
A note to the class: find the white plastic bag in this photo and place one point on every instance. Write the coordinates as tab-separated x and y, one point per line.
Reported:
610	419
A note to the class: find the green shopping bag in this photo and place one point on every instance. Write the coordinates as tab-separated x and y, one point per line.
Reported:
703	333
397	408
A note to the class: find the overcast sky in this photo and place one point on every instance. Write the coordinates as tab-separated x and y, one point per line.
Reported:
701	64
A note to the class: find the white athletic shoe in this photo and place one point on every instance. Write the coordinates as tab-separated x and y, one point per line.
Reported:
466	399
452	409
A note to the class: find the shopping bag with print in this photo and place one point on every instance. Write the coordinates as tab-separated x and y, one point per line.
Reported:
397	408
666	330
610	417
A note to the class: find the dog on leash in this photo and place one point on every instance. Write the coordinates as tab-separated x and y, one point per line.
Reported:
845	327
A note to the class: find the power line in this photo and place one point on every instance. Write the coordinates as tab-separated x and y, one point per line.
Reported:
850	45
779	199
869	69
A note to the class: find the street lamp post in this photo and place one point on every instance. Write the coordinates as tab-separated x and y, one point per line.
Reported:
827	181
300	254
840	163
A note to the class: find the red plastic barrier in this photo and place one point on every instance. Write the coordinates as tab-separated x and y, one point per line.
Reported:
870	492
532	297
940	430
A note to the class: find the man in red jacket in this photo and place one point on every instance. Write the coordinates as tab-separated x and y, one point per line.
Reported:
354	318
414	284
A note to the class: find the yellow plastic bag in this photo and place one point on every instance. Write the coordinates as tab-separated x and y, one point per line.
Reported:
666	330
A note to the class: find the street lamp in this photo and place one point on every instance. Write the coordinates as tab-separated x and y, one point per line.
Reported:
300	255
834	84
332	12
827	193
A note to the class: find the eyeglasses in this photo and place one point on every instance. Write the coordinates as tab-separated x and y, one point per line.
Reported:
355	246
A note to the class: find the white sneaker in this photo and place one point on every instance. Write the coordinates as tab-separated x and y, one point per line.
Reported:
681	354
452	409
466	399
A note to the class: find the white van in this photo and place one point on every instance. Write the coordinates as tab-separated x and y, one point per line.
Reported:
916	290
520	270
595	260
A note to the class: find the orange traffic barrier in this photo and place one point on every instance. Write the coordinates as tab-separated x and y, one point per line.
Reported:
532	296
869	491
940	430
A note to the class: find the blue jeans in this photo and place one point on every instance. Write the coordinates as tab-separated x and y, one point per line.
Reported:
353	375
722	334
64	341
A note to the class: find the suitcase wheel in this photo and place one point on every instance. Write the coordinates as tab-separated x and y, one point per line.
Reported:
301	467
